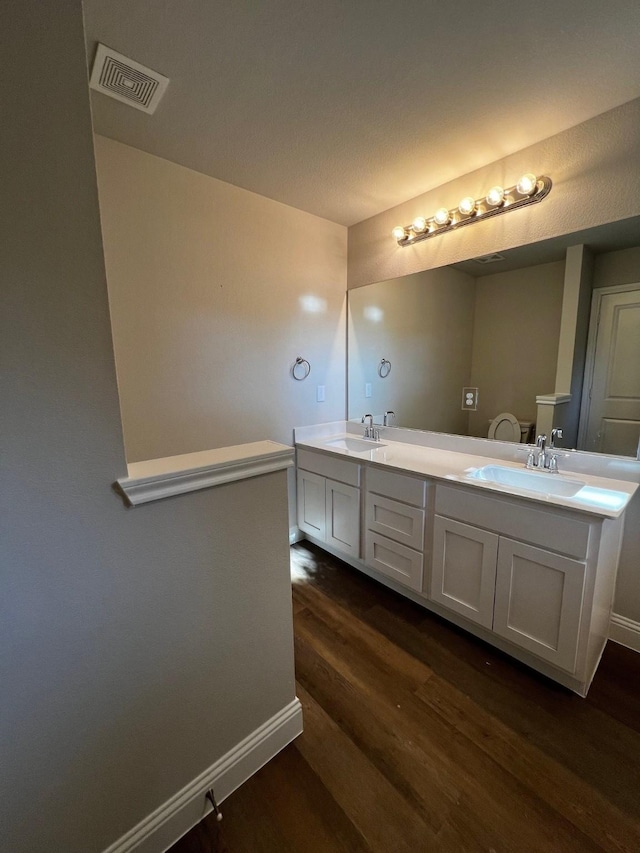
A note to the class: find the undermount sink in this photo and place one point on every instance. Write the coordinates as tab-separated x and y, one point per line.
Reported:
533	481
355	445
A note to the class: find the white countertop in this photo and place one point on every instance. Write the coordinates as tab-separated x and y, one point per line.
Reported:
600	495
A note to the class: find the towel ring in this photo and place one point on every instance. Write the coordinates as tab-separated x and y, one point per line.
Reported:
301	362
384	368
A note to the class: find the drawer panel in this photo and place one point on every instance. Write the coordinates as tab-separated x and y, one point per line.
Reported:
555	529
333	467
398	486
395	560
404	524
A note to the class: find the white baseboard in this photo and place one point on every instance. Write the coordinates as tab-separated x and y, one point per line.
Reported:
625	631
163	827
295	535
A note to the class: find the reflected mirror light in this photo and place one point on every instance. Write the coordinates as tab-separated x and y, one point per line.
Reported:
313	304
603	498
373	313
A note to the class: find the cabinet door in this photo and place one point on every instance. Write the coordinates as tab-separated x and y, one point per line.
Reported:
311	504
539	601
464	569
343	518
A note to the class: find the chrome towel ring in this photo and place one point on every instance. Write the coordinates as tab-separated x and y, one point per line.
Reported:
304	365
384	368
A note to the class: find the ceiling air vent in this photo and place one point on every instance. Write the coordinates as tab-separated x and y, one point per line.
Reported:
489	259
127	81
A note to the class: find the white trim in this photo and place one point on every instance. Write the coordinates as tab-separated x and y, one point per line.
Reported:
163	827
625	631
295	535
176	475
552	399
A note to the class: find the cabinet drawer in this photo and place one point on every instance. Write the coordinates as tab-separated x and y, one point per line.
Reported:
404	524
398	486
556	530
395	560
329	466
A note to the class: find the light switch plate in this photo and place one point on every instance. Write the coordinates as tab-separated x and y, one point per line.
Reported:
367	389
320	394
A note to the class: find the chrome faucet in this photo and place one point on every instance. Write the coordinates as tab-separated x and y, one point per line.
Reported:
368	430
545	460
556	432
389	415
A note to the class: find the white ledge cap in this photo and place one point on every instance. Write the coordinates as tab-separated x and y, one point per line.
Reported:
176	475
552	399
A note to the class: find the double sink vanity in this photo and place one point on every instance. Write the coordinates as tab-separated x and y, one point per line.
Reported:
525	560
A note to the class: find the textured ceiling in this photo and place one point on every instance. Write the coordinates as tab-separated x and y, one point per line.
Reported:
345	108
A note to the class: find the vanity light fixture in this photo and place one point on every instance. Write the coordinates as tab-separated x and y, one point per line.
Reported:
527	184
442	216
495	196
529	190
468	206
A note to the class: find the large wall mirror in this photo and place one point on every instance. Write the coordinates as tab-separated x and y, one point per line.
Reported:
507	324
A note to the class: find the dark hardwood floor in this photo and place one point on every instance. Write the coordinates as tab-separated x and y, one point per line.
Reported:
419	737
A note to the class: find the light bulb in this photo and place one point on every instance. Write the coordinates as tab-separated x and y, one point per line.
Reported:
495	196
467	206
441	216
399	232
527	184
419	224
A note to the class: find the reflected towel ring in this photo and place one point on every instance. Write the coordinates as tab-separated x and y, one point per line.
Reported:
384	368
300	361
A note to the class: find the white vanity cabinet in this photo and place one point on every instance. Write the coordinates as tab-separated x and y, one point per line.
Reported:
329	501
540	578
395	526
534	576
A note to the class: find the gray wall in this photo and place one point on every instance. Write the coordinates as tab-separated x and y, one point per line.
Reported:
136	646
613	268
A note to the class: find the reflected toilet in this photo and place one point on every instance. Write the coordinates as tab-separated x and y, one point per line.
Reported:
506	427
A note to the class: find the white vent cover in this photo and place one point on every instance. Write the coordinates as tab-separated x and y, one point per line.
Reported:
125	80
489	259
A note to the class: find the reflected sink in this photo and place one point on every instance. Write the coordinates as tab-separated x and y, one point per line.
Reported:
355	445
533	481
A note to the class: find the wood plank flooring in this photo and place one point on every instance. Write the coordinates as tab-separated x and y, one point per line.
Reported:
419	737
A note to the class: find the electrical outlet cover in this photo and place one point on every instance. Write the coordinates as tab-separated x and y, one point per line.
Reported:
470	399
